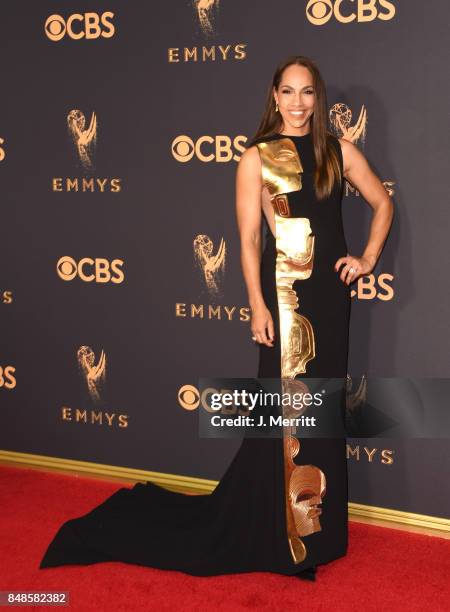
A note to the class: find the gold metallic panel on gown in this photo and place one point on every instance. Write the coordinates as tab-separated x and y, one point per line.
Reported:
304	485
306	489
281	166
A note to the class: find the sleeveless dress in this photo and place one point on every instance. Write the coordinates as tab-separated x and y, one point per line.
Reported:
264	514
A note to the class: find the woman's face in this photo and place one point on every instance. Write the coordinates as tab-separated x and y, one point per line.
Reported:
296	98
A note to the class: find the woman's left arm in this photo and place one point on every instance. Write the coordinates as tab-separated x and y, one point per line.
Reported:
358	172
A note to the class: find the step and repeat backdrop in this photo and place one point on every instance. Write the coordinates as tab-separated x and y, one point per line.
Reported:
121	125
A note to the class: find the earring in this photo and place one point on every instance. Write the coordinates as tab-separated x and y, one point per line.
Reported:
276	107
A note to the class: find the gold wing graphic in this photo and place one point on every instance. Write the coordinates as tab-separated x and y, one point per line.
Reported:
90	134
215	262
353	133
356	399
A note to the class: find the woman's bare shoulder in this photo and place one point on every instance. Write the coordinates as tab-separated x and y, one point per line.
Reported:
250	160
348	148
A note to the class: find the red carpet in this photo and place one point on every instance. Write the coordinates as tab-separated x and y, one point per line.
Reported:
385	569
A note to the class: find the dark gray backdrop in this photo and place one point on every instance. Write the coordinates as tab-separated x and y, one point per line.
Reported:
143	102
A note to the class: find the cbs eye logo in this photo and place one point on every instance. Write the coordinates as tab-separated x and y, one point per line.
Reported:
208	148
188	397
89	26
89	270
319	12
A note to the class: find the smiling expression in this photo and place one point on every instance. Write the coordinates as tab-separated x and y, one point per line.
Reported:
296	99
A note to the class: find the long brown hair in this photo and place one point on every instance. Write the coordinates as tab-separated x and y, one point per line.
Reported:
327	162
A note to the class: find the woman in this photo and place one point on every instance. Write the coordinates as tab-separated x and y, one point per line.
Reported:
299	289
248	523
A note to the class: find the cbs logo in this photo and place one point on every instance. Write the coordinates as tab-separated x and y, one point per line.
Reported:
190	398
89	26
208	148
7	378
319	12
99	270
367	287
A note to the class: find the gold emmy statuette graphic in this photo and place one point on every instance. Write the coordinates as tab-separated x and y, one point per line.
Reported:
94	374
355	399
340	119
211	265
84	139
205	11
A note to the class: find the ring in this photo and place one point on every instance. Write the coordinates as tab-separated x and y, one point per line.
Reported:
352	270
254	338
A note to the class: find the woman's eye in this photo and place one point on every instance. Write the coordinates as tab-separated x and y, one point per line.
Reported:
286	91
309	91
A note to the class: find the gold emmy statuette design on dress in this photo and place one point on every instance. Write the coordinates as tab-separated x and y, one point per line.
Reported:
205	12
306	486
340	119
281	167
211	265
84	139
94	374
281	173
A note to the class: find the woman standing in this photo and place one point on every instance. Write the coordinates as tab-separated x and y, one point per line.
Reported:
264	513
299	290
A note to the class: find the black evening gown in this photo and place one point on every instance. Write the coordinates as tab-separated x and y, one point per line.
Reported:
254	520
